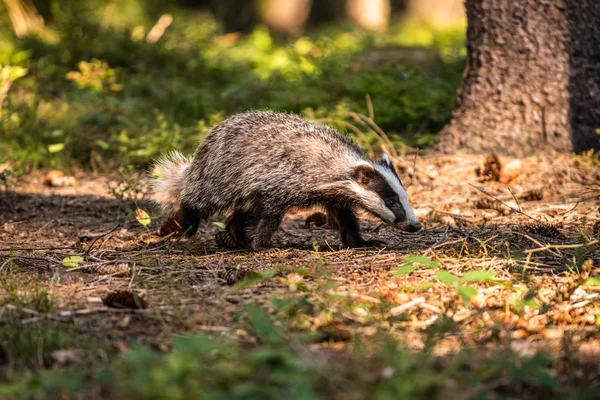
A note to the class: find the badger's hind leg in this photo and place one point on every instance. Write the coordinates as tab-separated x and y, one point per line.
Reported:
344	218
236	228
265	228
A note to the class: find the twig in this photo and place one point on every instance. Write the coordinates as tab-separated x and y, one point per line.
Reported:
36	314
44	226
534	241
370	106
406	306
516	201
98	238
34	248
414	171
375	130
503	203
101	261
561	246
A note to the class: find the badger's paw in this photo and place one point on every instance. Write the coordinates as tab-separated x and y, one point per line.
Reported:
374	243
358	244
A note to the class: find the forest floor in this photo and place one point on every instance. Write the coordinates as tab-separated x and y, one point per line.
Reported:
501	274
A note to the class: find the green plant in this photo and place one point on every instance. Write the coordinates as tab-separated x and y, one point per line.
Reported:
414	262
25	293
110	98
8	75
10	174
129	186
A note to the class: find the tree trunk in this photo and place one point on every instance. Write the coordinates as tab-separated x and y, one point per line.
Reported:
24	17
532	78
286	16
372	15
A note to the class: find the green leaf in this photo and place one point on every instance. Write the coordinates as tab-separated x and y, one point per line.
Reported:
446	277
466	292
315	246
72	261
55	148
262	325
196	345
142	217
416	259
592	282
220	225
102	144
478	276
405	270
253	278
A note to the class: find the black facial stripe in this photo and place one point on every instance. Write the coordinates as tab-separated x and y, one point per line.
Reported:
380	185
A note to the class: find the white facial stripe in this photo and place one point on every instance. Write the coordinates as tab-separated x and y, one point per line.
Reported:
363	162
396	186
372	202
386	159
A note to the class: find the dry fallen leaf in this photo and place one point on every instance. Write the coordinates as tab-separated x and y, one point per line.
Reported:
510	171
124	322
56	178
9	228
66	356
491	168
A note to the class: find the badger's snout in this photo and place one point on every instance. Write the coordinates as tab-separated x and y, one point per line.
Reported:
413	227
409	226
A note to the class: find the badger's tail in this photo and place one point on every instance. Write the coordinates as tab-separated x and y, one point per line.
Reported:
166	179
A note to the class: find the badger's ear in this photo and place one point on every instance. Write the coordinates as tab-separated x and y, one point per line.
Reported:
385	160
363	174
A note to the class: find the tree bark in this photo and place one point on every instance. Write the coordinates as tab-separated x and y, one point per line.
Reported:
532	78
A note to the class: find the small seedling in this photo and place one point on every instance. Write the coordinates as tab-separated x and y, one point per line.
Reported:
254	278
414	262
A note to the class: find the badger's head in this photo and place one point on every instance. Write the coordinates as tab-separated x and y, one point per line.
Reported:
381	193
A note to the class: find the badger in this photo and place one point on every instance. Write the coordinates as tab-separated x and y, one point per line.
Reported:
260	164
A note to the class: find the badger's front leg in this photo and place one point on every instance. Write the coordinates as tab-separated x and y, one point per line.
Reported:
189	219
345	219
266	227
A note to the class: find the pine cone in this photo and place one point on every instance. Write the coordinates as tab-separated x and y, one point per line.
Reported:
224	240
124	299
316	220
542	229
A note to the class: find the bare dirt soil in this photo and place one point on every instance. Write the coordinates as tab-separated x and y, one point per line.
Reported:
536	242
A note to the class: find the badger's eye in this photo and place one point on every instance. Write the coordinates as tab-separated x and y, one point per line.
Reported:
390	202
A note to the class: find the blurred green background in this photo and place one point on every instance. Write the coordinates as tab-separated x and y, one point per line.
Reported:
98	84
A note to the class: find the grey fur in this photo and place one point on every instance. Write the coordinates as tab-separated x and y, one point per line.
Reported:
262	163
